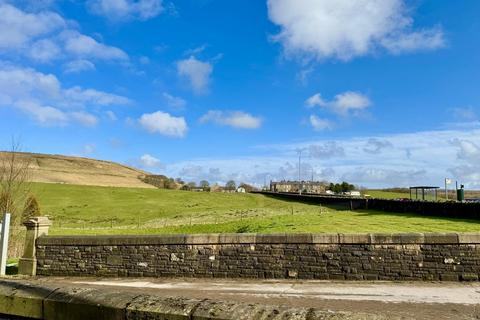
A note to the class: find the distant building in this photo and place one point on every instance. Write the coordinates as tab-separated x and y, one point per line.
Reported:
241	190
353	193
315	187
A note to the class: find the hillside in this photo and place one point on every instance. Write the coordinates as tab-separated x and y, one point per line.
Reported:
82	171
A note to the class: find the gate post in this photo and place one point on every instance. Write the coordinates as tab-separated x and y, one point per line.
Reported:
4	231
36	227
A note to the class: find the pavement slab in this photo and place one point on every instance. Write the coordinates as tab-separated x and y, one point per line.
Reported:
252	299
405	300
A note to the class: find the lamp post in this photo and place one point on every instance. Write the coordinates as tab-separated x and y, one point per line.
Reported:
300	170
265	180
447	182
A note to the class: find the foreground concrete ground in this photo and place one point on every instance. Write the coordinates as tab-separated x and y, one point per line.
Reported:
385	300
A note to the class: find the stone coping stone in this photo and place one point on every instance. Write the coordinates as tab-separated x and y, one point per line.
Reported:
50	302
171	308
23	299
87	303
252	238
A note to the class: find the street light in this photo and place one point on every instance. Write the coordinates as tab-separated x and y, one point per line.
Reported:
300	169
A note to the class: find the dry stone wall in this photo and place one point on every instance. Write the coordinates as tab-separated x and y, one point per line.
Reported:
413	256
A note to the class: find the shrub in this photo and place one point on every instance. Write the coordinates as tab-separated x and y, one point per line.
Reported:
32	208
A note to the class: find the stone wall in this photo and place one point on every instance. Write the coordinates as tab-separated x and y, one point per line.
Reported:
414	256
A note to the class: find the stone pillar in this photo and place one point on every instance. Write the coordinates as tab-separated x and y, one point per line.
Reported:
36	227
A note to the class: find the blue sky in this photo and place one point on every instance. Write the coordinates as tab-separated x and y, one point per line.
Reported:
377	92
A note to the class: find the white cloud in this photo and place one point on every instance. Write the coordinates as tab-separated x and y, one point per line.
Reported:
379	176
196	50
197	72
467	168
44	115
235	119
44	36
84	118
19	28
174	102
164	123
315	100
111	115
44	50
465	113
149	161
20	83
79	65
375	145
87	96
327	150
428	39
144	60
83	46
42	97
126	9
319	124
344	104
345	29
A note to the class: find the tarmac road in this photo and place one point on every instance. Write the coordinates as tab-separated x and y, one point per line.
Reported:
400	300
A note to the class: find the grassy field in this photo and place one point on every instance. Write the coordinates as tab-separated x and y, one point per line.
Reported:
381	194
107	210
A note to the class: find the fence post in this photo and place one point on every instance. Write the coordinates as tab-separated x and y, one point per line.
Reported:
36	227
5	228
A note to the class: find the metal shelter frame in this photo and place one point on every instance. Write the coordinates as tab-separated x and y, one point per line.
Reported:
423	189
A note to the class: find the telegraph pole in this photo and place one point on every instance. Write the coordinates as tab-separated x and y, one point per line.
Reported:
447	182
300	170
300	150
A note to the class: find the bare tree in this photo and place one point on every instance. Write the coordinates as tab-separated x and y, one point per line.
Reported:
15	184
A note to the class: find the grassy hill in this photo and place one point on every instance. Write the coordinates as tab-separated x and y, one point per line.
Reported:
107	210
81	171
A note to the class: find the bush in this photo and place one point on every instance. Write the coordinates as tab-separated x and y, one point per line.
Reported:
32	208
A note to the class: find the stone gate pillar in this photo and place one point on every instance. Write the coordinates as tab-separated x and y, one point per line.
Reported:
36	227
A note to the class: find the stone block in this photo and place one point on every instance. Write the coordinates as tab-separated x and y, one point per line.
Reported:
114	260
216	310
354	238
449	277
409	238
381	238
86	303
237	238
23	299
441	238
469	238
273	238
151	307
202	238
325	238
469	277
302	238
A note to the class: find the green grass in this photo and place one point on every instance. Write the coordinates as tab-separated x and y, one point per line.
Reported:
381	194
104	210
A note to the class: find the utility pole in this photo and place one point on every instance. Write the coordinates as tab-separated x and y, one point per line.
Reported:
447	182
300	170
